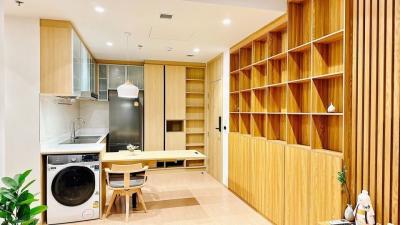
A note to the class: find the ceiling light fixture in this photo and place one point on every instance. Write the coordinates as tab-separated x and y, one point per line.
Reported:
109	43
128	90
196	50
99	9
226	21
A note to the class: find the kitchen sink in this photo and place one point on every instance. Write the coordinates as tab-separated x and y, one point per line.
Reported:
82	140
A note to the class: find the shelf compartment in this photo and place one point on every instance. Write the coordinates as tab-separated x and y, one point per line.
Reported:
234	82
258	76
195	114
194	85
259	124
194	126
194	138
259	99
299	129
197	148
245	101
299	63
195	163
299	19
234	102
327	132
328	57
328	17
276	99
259	50
245	79
245	123
234	122
298	97
277	41
326	91
277	70
234	61
276	127
194	99
245	56
175	126
195	73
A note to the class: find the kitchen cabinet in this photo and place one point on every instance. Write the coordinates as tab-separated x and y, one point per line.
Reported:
66	66
153	107
175	92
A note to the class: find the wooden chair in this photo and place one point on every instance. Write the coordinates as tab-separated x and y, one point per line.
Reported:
126	180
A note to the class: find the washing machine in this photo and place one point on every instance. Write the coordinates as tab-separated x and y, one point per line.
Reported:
73	188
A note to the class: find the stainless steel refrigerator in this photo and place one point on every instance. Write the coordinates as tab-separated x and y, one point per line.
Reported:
126	122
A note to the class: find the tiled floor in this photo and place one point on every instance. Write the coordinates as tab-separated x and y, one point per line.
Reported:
187	198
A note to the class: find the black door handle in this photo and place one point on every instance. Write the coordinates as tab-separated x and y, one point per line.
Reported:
219	124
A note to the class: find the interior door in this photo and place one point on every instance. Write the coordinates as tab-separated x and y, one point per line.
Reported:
215	130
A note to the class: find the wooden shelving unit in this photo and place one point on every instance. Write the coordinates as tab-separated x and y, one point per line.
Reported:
283	81
195	109
279	99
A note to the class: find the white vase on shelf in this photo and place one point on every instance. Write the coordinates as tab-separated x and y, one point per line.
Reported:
331	108
348	213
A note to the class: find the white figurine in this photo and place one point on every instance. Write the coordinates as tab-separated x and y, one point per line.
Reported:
331	108
364	213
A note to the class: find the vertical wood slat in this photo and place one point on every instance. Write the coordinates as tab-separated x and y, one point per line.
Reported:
376	108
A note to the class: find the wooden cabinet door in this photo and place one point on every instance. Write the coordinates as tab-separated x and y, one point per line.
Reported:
175	141
175	92
154	107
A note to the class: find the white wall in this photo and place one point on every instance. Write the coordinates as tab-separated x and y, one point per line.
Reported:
225	116
22	77
56	116
2	91
94	113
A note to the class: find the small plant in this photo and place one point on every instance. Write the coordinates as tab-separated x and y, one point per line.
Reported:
16	200
342	180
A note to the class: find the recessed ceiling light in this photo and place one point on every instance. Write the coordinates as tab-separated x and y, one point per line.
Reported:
99	9
108	43
196	50
226	21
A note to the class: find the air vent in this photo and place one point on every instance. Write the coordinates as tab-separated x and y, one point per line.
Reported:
190	55
165	16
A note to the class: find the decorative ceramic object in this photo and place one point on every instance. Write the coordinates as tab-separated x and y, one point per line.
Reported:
364	213
349	213
331	108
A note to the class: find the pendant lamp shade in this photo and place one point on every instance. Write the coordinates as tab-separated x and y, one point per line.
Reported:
128	90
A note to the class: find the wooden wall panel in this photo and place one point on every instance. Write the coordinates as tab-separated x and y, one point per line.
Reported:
175	92
375	140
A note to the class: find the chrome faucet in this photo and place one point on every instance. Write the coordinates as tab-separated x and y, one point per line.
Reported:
81	122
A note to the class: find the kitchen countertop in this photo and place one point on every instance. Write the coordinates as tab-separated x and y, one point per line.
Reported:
55	148
152	155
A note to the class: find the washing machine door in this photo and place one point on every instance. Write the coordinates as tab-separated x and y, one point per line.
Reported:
73	185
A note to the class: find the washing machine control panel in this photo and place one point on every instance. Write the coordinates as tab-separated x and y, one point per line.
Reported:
65	159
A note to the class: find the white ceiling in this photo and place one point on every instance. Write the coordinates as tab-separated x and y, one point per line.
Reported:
195	24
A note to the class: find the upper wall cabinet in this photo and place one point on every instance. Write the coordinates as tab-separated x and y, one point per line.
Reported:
175	83
66	66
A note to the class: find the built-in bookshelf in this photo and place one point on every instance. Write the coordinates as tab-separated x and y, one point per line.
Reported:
283	81
195	108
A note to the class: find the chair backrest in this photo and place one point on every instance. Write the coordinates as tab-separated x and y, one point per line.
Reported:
126	170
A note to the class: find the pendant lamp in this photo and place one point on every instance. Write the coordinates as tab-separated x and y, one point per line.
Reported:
128	90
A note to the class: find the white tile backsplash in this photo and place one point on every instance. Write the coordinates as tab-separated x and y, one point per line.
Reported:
95	114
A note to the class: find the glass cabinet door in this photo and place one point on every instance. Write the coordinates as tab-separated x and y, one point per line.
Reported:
135	75
76	67
85	69
116	76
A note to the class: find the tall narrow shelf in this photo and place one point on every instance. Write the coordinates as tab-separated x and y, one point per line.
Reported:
245	101
299	63
277	41
299	22
234	81
234	61
259	100
325	91
329	17
259	76
234	102
244	79
277	69
244	123
260	49
258	125
276	102
276	127
195	109
234	122
327	132
299	129
246	56
328	55
299	97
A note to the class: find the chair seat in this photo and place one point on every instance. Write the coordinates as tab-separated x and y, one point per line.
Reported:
132	183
